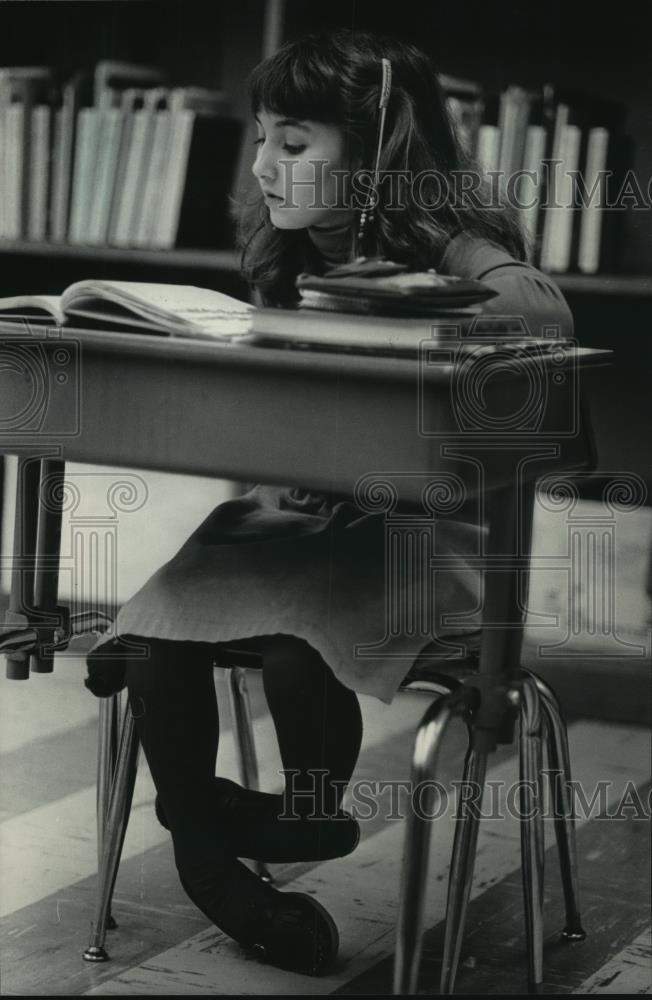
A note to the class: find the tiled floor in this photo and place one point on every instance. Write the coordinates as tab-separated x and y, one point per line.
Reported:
163	945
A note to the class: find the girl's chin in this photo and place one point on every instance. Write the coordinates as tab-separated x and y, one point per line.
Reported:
283	218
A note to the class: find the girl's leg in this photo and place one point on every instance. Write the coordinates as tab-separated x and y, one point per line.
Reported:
319	729
318	725
172	697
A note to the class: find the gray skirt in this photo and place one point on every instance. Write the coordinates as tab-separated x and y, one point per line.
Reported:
365	590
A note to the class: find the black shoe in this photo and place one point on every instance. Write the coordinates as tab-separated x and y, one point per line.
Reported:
290	930
254	829
298	935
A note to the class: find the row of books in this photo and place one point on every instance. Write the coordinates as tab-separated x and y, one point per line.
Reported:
115	158
566	155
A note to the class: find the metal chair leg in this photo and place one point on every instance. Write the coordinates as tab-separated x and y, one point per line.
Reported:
560	778
107	752
417	838
119	806
462	865
245	745
531	823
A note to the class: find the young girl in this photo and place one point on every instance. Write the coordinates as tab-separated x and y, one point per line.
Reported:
296	576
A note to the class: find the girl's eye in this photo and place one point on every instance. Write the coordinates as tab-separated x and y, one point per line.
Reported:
257	142
293	150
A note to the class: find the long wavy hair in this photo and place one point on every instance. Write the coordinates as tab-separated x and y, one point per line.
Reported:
335	78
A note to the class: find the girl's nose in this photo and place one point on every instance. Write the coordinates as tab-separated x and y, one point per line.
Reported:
264	166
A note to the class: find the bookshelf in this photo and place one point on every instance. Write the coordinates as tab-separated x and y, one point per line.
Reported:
216	45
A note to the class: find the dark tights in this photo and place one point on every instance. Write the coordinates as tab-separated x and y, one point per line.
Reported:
319	729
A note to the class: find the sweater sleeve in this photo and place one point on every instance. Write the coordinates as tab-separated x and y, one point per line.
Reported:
524	293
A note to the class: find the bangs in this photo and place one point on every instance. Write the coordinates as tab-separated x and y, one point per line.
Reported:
297	82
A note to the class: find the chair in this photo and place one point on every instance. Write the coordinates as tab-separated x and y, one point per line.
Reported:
539	713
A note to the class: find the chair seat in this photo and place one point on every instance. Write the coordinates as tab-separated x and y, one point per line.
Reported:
433	668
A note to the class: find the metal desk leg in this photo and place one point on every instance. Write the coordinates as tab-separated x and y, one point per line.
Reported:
107	753
559	762
118	816
417	836
531	822
245	746
21	598
460	879
48	547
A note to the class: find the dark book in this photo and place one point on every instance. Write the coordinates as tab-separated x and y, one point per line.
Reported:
201	216
465	103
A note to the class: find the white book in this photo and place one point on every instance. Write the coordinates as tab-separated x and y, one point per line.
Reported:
83	174
562	233
488	148
591	219
12	195
110	126
125	219
530	188
554	179
512	122
65	121
154	181
39	172
170	204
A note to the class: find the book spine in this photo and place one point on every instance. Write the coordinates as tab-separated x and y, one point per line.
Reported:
588	261
127	181
14	171
512	123
530	189
39	172
561	240
551	214
168	217
488	148
154	178
83	175
128	232
110	128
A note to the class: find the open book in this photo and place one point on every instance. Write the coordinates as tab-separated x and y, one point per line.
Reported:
178	310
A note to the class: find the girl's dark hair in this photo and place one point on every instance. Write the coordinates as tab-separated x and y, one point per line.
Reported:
335	78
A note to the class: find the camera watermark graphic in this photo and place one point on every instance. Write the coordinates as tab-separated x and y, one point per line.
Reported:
510	382
40	385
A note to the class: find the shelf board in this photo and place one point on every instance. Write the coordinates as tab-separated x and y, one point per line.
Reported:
605	284
218	260
229	260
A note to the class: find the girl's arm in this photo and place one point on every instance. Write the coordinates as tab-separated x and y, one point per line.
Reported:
523	291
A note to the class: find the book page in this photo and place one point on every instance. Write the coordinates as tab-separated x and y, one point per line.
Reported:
181	309
38	307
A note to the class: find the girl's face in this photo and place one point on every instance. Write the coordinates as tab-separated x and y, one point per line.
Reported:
296	167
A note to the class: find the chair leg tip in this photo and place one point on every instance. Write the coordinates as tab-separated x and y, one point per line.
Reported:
573	934
95	954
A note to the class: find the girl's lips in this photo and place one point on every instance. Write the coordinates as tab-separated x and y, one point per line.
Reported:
271	197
